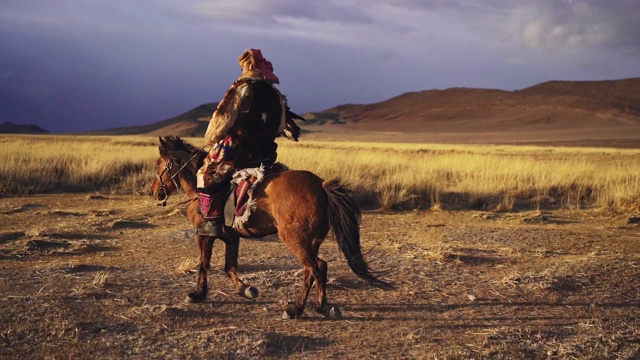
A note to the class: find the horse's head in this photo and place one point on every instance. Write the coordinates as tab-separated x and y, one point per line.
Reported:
165	182
176	167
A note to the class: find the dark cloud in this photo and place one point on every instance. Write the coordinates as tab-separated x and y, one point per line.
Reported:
71	65
595	24
275	12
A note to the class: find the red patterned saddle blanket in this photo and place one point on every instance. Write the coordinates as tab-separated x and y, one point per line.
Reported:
241	203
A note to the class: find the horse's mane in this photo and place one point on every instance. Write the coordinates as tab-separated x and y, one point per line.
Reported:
181	152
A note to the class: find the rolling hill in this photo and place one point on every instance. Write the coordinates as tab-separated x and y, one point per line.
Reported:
551	105
191	123
11	128
558	111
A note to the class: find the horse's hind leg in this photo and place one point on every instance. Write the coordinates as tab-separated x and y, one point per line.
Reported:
231	246
306	249
310	272
322	307
205	244
321	286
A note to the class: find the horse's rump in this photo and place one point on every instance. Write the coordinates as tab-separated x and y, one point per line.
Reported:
289	198
302	202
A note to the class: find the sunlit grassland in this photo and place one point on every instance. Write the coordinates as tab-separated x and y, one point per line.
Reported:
37	164
394	175
387	175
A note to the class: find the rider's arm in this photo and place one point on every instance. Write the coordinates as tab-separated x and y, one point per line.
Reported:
226	114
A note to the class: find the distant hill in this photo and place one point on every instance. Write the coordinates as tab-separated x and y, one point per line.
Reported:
11	128
559	111
547	106
191	123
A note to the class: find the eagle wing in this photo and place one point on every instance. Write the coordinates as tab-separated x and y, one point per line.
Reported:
291	129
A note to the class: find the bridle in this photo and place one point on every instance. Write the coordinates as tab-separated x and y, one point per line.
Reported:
168	164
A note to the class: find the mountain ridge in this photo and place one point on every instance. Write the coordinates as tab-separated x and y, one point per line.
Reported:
550	103
193	122
562	110
11	128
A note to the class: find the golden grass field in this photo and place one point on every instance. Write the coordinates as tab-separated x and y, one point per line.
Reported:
384	175
496	252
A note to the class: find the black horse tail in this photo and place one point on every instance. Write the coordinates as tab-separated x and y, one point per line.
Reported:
344	218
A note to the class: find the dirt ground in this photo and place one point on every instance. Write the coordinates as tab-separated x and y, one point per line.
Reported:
103	276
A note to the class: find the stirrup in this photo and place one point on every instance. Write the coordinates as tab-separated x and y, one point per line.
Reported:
209	228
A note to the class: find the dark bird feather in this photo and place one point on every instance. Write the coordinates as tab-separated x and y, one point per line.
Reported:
291	129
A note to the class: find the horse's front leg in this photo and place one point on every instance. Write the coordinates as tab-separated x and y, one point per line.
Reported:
205	245
231	246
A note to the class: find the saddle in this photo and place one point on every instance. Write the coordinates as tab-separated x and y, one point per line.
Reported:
240	203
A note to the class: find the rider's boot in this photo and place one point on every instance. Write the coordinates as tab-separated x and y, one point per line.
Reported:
211	207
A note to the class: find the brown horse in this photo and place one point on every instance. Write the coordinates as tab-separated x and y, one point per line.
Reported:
297	205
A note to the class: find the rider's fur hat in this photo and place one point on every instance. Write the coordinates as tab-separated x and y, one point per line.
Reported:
254	65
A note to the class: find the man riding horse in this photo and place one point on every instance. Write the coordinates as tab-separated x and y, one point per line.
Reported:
241	134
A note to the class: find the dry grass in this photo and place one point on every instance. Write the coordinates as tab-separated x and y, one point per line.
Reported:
482	176
101	278
40	164
469	285
188	266
384	175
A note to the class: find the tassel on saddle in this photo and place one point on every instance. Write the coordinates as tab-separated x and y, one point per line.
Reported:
240	203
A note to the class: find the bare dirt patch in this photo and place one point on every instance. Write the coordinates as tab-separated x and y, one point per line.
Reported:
105	277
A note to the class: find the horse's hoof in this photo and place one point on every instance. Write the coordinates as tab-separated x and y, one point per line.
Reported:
291	312
334	313
286	315
193	298
330	312
250	292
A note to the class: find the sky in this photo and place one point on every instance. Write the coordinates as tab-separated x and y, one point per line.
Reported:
77	65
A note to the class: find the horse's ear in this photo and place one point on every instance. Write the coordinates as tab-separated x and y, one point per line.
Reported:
162	142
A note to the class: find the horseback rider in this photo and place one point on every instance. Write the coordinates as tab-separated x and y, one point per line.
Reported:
241	134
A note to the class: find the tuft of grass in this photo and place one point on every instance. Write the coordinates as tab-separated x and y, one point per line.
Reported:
188	266
100	279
